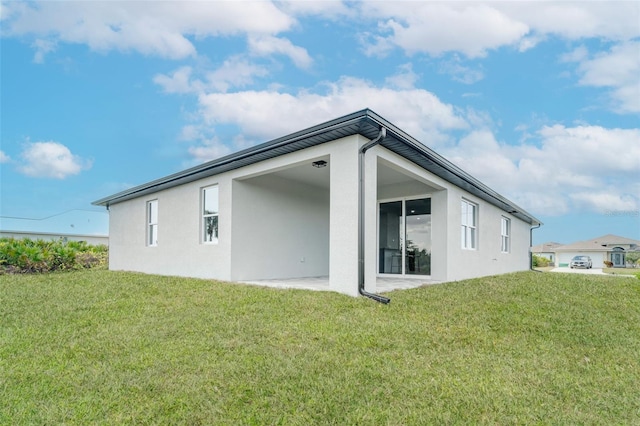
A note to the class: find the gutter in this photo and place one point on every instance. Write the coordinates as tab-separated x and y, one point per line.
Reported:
531	245
361	197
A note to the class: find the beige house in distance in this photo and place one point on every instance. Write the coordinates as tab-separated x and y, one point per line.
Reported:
546	250
609	247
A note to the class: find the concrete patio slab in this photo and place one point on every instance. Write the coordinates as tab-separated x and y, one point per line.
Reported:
383	284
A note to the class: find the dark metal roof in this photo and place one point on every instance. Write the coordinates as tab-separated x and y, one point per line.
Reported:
366	123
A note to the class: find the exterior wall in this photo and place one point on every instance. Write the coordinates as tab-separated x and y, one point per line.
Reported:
47	236
280	229
487	258
179	251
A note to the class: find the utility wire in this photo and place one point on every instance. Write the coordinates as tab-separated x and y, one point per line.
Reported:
53	215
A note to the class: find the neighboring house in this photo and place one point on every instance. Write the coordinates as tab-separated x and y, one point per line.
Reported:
351	199
47	236
610	248
546	250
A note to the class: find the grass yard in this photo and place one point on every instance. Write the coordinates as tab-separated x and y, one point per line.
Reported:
100	347
621	271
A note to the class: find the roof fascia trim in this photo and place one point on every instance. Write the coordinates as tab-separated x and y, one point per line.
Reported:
206	169
365	115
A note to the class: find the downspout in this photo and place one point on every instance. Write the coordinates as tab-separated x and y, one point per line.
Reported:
531	245
361	197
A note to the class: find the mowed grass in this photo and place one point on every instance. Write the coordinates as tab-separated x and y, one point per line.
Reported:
101	347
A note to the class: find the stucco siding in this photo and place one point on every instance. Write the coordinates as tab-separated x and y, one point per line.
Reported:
343	242
487	258
179	250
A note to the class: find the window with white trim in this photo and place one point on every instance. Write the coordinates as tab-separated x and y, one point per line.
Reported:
152	223
469	221
210	214
505	231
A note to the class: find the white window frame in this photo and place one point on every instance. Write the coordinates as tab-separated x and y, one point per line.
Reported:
505	234
206	216
152	223
469	231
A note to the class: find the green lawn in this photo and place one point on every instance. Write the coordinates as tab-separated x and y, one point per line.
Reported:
100	347
621	271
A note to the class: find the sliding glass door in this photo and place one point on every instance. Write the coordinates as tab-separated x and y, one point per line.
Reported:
404	237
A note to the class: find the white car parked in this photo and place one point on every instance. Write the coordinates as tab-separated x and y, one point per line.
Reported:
581	262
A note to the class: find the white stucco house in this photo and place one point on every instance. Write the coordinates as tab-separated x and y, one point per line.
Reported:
609	247
352	199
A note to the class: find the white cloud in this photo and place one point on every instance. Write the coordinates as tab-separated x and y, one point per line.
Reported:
330	9
269	45
263	115
604	200
619	70
578	54
178	82
435	28
4	158
459	72
167	28
577	20
473	28
235	72
42	48
405	78
51	160
555	170
571	168
151	28
209	149
259	114
190	132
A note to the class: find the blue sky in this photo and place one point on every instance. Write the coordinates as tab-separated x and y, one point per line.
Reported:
539	100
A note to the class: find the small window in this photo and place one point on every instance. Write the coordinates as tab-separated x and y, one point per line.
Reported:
210	214
152	223
505	231
469	220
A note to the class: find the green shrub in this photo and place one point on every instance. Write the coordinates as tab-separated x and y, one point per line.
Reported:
539	261
39	256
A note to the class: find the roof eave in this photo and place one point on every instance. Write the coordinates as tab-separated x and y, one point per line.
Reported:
367	121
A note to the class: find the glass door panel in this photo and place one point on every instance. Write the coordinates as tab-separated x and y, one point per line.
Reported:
418	237
405	237
617	259
390	231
